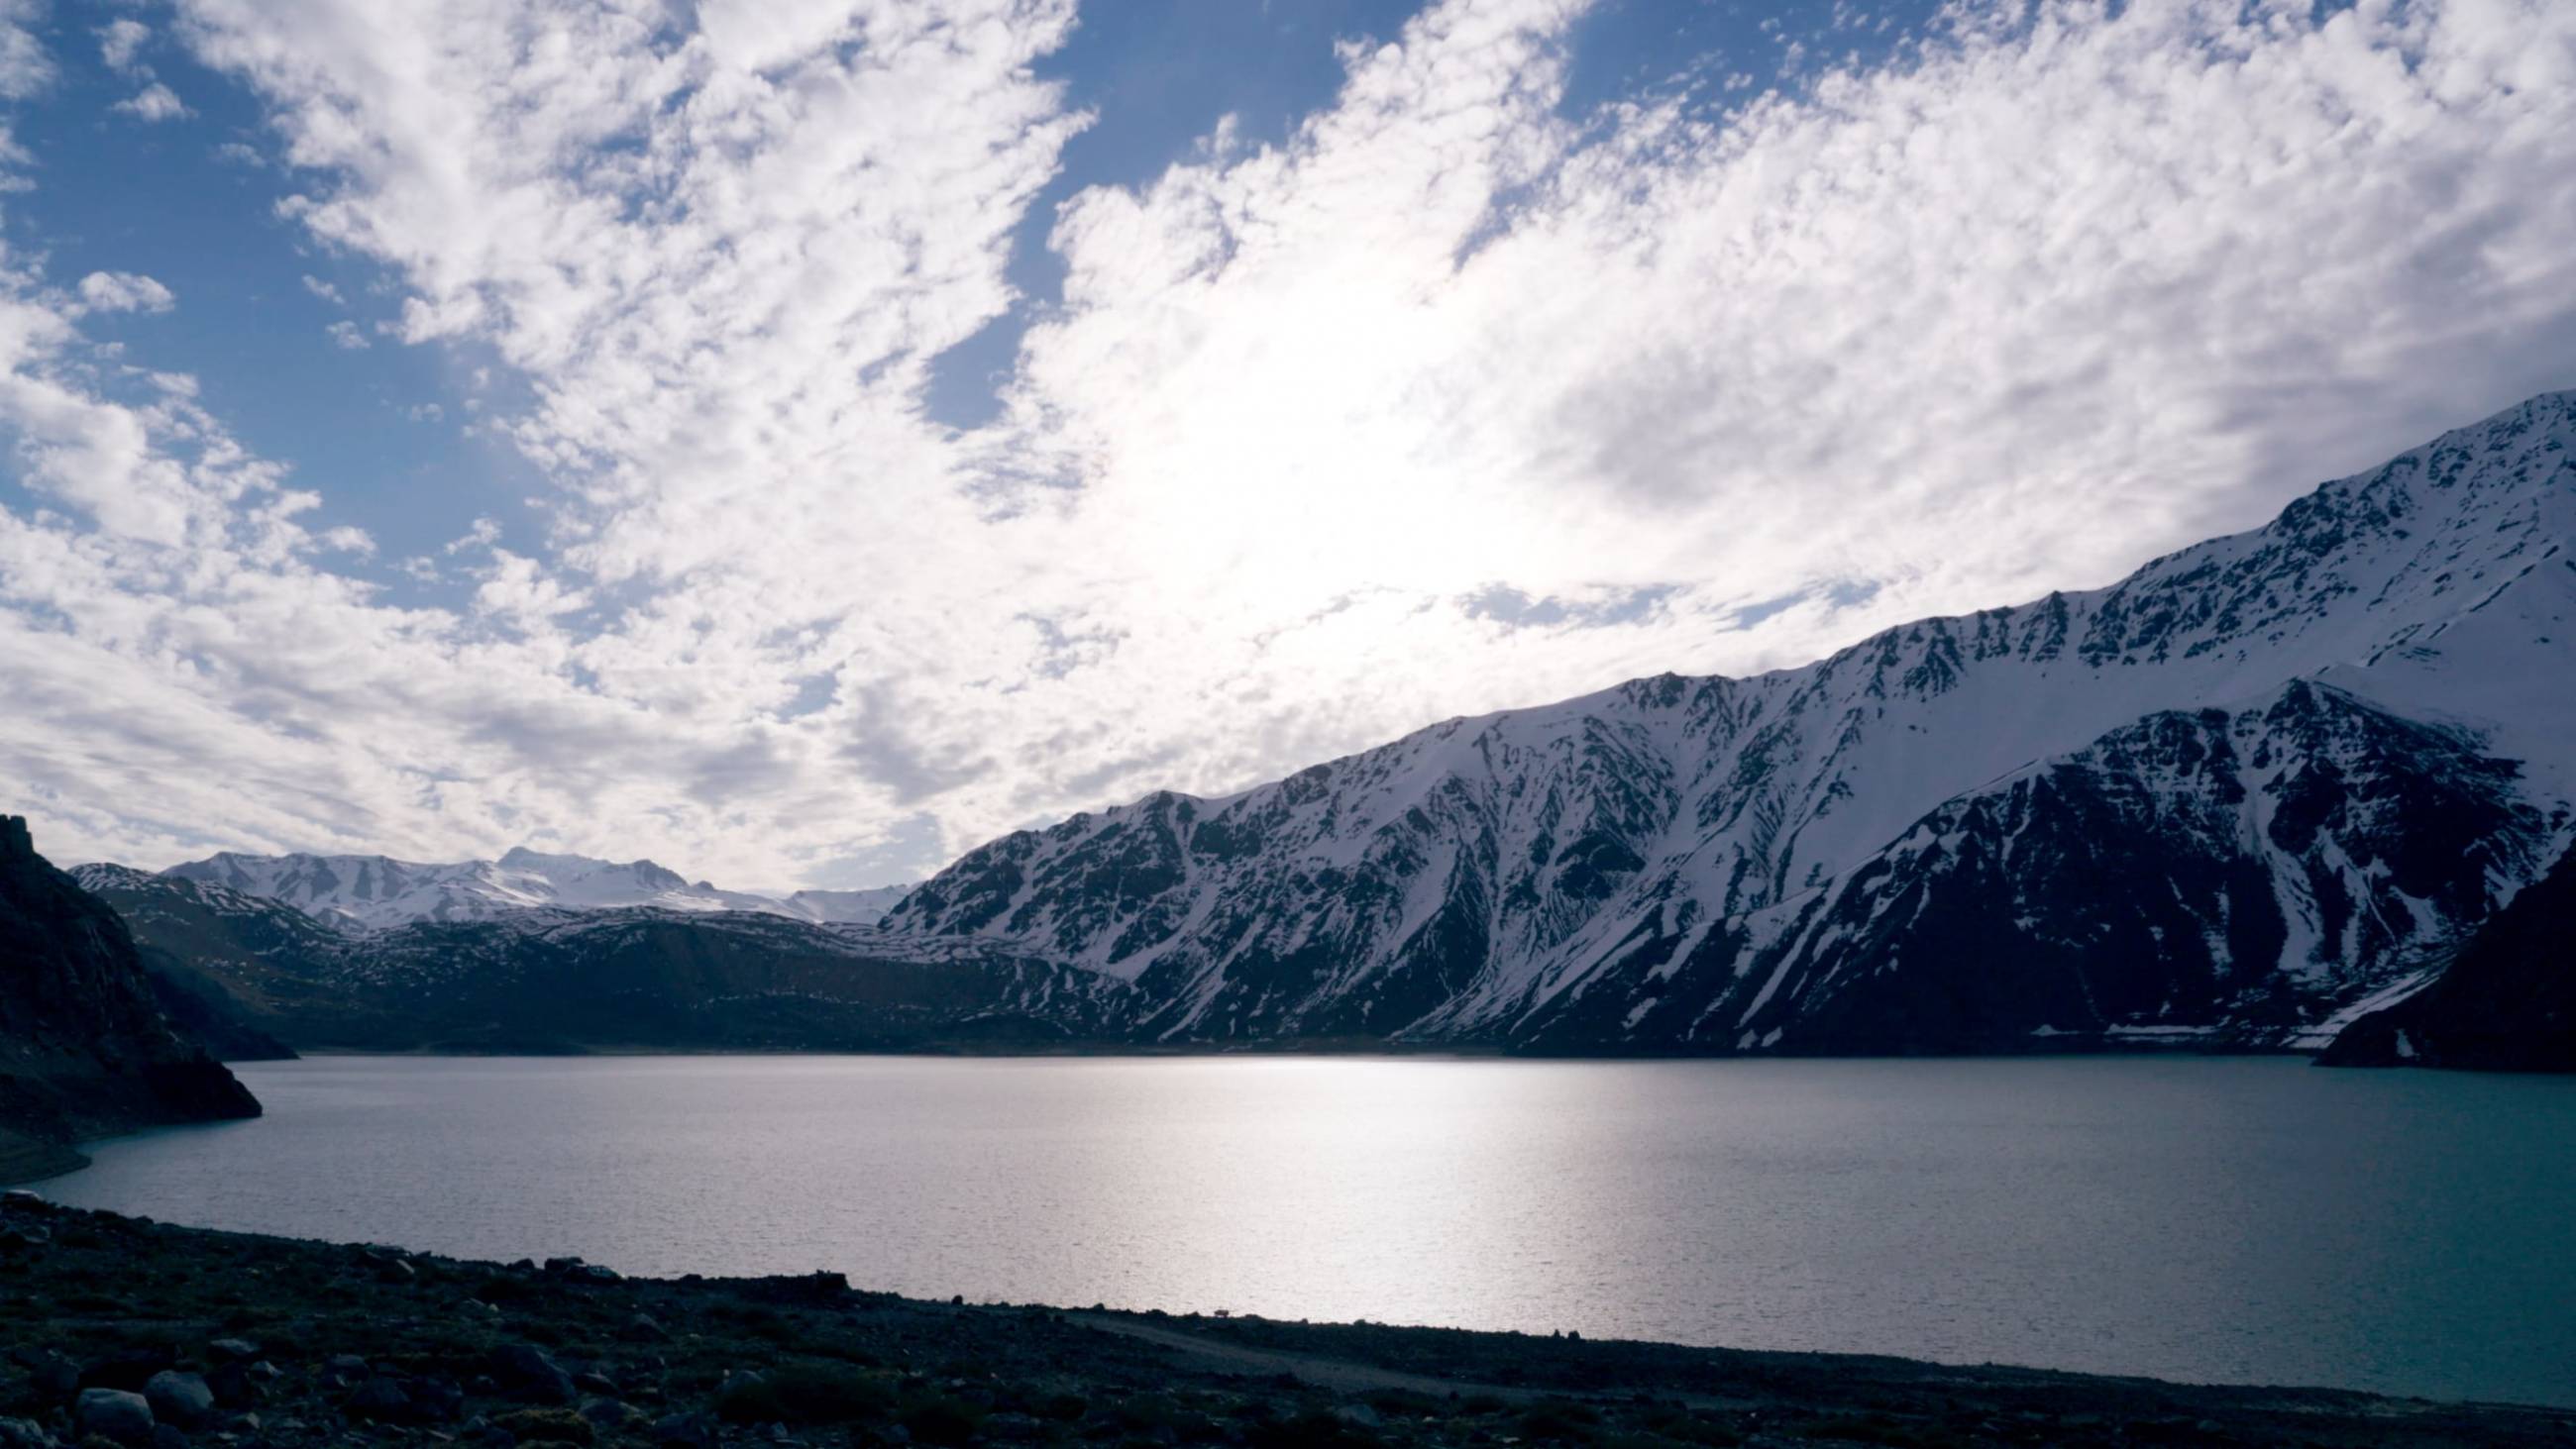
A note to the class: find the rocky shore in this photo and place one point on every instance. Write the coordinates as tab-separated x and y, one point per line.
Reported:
119	1331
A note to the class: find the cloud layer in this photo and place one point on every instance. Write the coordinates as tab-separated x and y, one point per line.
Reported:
1452	401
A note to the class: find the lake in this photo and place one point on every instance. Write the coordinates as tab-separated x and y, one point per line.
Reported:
2234	1219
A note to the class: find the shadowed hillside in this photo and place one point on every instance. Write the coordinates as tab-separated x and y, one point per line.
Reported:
85	1047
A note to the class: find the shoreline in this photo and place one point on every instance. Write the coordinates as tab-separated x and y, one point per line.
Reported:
25	1159
1328	1048
379	1344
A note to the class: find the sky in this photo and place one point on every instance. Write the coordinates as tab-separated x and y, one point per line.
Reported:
798	440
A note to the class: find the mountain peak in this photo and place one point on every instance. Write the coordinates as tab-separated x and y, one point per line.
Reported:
1683	862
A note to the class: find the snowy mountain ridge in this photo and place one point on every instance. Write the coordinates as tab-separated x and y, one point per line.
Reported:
2265	729
374	892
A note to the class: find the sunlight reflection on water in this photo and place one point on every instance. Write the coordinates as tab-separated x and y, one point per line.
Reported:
2224	1220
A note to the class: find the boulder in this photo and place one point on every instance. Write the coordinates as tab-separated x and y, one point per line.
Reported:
684	1431
177	1398
436	1400
379	1399
644	1328
114	1414
529	1374
579	1271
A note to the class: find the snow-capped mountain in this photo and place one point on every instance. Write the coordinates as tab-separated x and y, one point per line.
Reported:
2256	788
372	892
847	908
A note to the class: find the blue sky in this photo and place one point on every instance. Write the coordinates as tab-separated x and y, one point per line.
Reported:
797	441
193	202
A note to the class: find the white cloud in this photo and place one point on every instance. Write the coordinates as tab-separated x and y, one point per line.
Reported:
124	292
155	102
347	539
485	533
518	588
347	335
121	41
25	69
1450	402
323	290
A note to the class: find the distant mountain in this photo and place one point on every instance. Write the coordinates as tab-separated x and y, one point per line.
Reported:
850	908
214	953
556	978
85	1049
371	892
2507	1003
2244	795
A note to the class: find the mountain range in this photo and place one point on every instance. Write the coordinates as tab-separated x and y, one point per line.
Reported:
369	892
2262	789
554	978
2261	786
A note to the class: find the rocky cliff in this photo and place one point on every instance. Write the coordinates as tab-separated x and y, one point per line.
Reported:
85	1048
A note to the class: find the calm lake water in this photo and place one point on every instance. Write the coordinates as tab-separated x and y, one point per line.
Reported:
2250	1220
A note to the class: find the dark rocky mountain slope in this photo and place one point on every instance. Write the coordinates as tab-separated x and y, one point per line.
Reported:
2507	1003
85	1048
